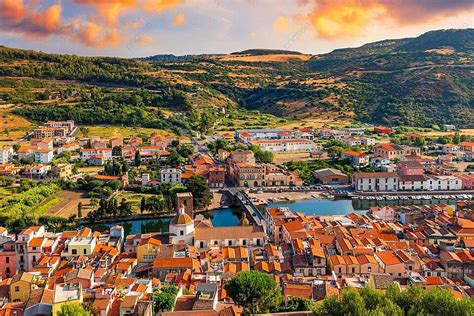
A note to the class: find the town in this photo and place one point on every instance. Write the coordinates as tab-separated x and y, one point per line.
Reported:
166	223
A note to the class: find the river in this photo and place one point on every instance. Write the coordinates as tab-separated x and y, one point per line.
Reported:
231	217
346	206
219	217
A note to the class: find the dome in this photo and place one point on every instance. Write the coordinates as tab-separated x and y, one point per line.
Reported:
182	219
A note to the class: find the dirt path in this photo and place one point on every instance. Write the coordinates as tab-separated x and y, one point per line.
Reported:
68	204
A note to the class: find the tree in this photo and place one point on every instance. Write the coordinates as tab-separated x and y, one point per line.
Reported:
254	290
138	159
457	138
420	142
73	309
262	155
185	151
79	209
163	299
442	302
125	208
142	204
202	196
299	304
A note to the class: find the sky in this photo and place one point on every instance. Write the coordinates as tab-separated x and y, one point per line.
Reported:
137	28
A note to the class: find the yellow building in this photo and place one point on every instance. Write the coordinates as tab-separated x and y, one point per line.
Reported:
64	294
21	287
63	170
79	246
147	250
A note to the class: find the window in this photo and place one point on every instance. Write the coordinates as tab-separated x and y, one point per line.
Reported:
74	251
181	232
201	244
369	269
17	289
258	242
340	270
353	270
230	243
7	259
244	242
85	251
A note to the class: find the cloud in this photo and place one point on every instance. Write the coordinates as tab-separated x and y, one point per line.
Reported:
15	16
98	29
111	10
253	35
95	35
179	20
144	40
280	24
336	19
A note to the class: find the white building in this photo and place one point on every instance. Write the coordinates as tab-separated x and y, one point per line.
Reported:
285	145
39	171
104	153
367	141
254	134
379	162
172	175
414	183
442	183
44	155
352	141
6	154
375	181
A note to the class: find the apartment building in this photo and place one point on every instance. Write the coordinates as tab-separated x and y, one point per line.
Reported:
375	181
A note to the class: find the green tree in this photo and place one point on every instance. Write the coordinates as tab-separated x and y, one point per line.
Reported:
79	209
202	196
254	290
262	155
142	204
442	302
299	304
420	142
185	151
456	138
163	298
73	309
138	159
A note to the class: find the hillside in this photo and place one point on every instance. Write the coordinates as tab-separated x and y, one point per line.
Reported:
416	81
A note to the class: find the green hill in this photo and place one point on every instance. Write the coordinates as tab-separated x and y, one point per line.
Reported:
418	81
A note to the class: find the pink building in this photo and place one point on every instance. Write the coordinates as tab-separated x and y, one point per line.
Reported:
386	213
467	180
410	168
7	259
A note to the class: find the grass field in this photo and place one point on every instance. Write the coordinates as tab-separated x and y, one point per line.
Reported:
12	127
119	131
251	119
469	132
134	198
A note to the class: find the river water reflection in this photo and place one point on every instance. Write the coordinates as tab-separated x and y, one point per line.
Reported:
231	217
